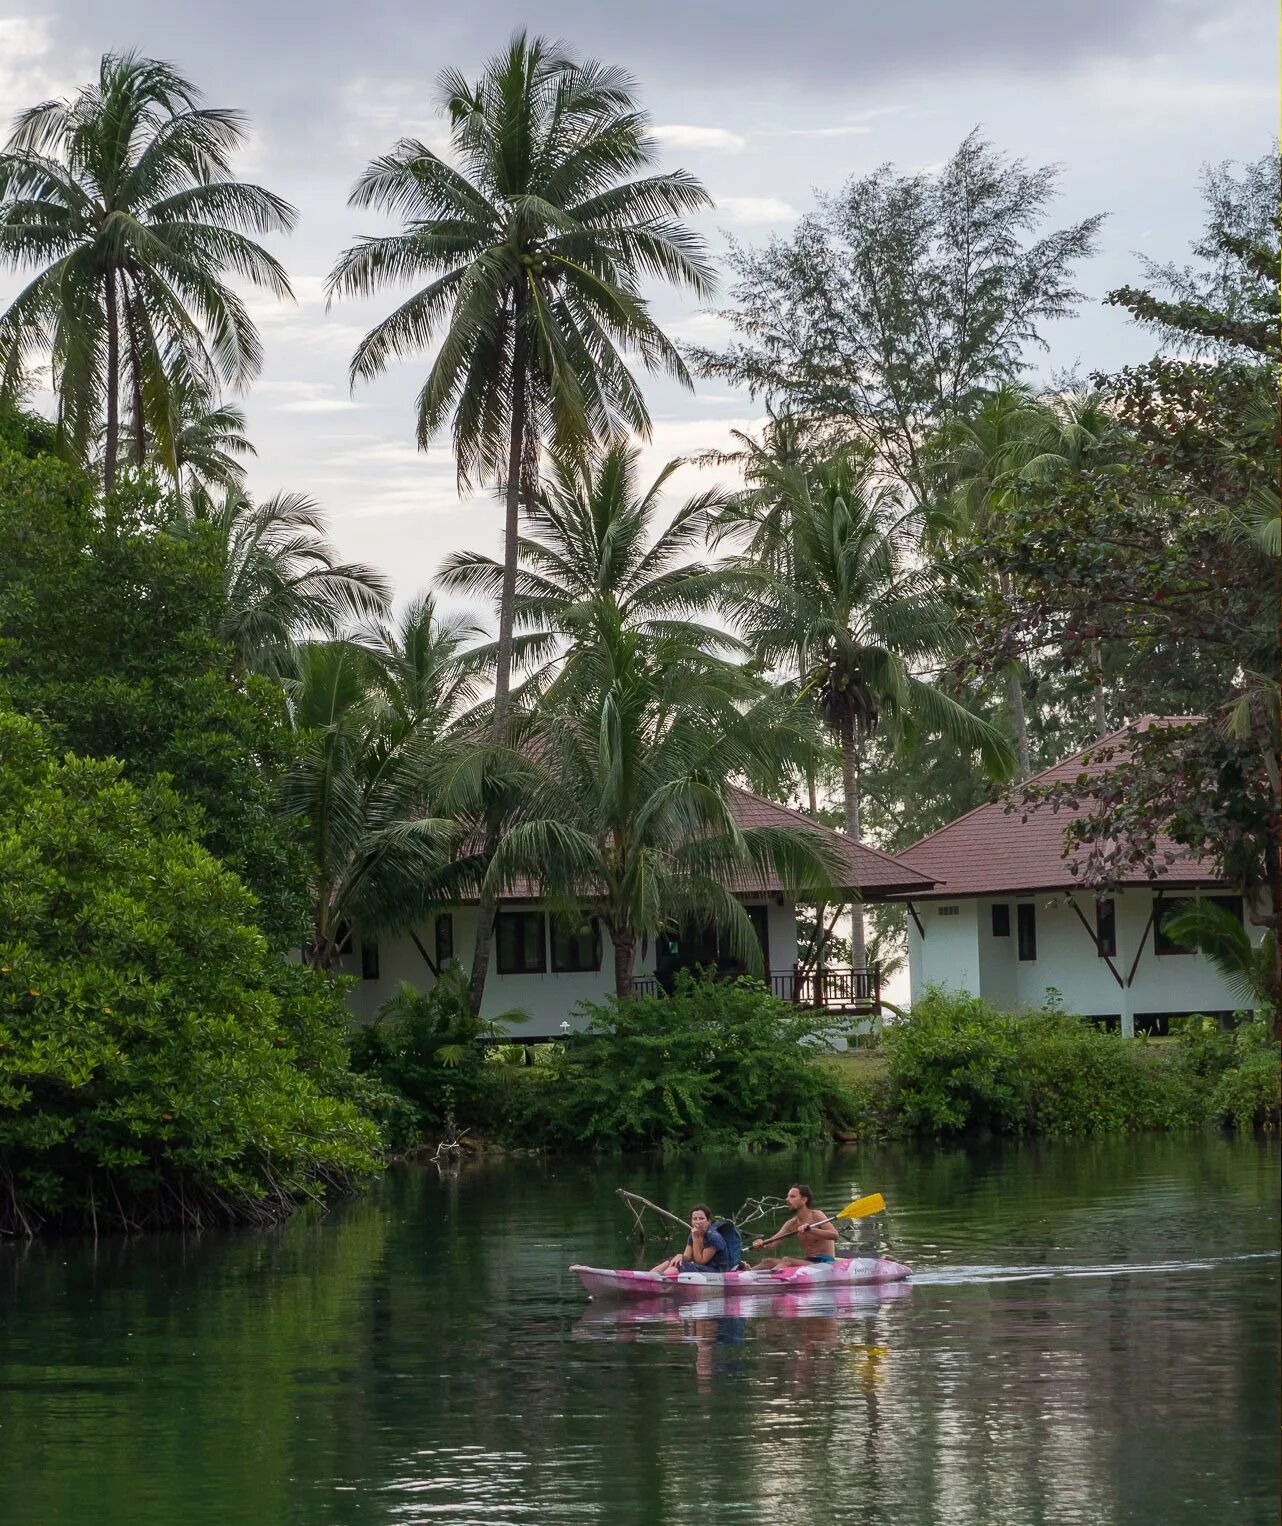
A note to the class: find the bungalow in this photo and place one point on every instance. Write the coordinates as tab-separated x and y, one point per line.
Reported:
1005	920
545	967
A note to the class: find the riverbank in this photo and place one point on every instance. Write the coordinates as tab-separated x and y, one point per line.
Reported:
725	1068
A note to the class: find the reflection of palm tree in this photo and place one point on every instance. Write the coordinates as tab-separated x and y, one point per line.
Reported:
122	199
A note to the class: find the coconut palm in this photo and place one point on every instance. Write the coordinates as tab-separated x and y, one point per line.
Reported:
533	244
870	615
629	810
282	579
1011	444
594	557
1248	968
122	201
374	717
207	435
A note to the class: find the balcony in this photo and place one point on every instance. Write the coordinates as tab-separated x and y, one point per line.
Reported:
853	991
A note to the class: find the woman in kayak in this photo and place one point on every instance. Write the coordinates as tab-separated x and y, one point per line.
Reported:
818	1240
705	1251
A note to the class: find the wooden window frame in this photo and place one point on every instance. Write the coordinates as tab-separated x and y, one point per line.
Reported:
1163	948
558	930
1106	946
523	969
1026	931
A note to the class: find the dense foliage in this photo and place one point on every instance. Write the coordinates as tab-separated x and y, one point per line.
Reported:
435	1060
158	1064
957	1065
111	617
715	1063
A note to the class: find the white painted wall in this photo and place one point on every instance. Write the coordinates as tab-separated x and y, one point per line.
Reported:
960	953
549	998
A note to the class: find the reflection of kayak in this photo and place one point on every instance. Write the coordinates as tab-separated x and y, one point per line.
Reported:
720	1303
850	1271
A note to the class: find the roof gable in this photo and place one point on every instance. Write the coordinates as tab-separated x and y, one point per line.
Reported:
993	850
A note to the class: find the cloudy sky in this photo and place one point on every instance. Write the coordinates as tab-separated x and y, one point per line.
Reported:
765	102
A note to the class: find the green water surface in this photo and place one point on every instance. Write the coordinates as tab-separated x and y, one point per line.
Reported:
1091	1336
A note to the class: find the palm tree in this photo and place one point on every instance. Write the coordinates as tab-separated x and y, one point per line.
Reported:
594	564
869	614
282	579
630	812
1013	443
593	557
122	200
534	244
375	716
1248	969
207	435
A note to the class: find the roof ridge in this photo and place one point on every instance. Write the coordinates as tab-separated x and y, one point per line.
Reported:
820	826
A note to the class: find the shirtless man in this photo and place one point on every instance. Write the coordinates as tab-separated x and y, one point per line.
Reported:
705	1250
818	1243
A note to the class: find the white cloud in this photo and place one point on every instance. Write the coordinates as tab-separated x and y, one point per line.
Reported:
681	135
756	209
319	405
846	130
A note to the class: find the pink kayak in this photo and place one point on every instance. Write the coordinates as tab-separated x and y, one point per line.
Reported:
851	1271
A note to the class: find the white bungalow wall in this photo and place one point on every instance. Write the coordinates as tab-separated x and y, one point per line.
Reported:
959	952
549	998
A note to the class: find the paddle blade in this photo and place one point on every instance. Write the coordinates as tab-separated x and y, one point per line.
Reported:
863	1206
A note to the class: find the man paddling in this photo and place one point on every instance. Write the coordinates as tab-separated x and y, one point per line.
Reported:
705	1251
818	1240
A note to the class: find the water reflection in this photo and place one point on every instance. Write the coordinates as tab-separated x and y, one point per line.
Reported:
1091	1336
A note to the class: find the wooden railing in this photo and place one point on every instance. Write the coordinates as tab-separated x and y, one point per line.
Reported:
855	990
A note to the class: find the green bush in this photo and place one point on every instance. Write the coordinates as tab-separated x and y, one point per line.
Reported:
958	1065
434	1057
715	1063
953	1064
158	1065
1248	1090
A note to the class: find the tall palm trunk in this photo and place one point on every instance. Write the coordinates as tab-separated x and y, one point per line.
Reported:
1019	723
488	903
625	958
113	387
850	760
1018	720
1097	691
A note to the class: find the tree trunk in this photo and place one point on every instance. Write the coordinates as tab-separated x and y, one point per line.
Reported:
812	791
113	387
503	663
1097	691
1019	722
625	958
850	792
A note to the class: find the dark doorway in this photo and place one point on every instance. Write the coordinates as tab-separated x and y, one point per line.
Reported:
691	947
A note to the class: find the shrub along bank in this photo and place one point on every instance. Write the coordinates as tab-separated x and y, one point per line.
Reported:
724	1064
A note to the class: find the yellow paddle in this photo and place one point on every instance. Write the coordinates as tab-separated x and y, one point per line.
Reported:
859	1209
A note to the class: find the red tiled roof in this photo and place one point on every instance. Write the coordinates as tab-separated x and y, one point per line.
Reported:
995	851
873	873
869	872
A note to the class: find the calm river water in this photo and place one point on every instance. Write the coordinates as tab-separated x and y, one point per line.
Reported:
1092	1336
